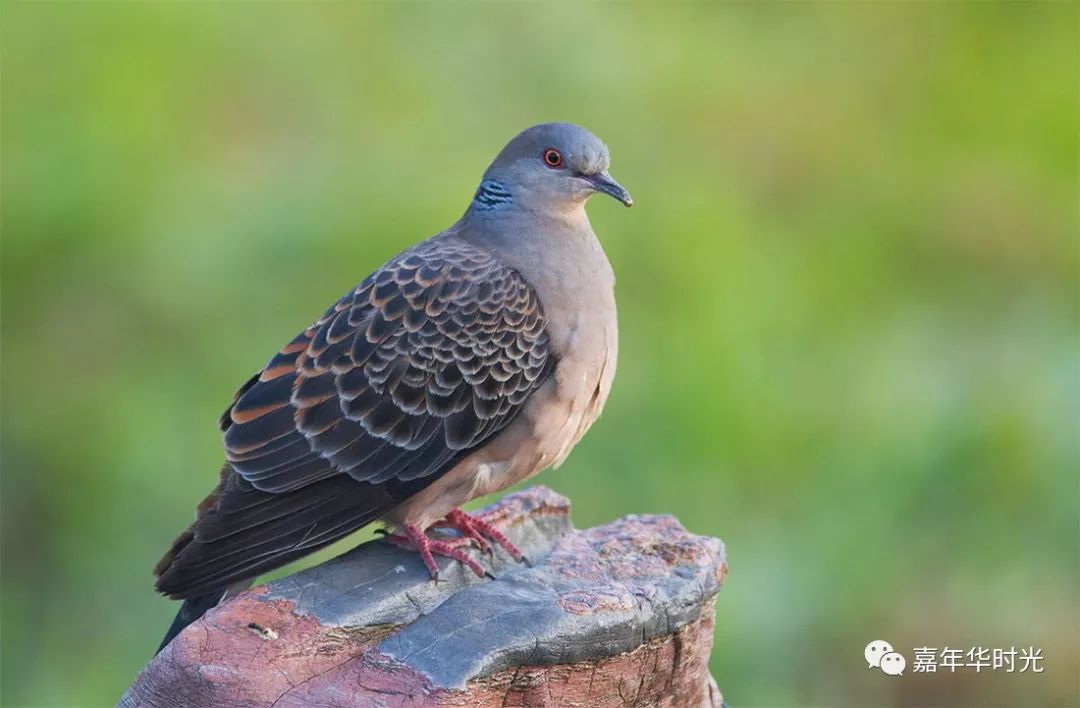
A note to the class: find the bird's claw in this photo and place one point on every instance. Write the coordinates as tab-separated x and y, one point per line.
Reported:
477	528
475	532
428	548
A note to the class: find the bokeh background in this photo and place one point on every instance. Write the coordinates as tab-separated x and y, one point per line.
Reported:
848	298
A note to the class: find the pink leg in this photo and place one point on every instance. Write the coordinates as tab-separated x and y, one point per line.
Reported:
428	548
477	529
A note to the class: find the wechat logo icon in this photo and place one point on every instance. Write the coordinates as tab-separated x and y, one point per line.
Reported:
879	654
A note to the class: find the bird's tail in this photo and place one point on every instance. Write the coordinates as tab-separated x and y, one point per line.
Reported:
192	609
195	607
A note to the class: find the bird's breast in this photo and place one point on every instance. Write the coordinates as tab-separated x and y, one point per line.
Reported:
584	337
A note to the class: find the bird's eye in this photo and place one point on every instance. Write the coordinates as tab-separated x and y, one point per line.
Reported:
552	158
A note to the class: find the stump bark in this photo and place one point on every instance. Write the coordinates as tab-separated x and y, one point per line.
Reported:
617	615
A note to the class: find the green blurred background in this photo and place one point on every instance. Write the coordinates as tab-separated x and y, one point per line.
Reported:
848	298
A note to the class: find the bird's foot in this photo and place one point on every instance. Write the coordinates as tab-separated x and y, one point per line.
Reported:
480	531
415	539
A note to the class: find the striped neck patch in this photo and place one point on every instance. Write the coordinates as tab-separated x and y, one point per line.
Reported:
491	195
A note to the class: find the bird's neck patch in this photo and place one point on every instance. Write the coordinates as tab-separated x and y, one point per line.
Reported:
491	195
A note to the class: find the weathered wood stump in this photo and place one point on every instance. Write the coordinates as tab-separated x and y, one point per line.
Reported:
618	615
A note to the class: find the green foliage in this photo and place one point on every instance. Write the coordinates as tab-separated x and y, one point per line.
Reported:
847	292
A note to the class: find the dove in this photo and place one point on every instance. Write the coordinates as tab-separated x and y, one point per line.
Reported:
466	364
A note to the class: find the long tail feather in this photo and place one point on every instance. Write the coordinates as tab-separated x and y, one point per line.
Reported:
191	610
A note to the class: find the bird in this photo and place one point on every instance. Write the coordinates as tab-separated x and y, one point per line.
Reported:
467	363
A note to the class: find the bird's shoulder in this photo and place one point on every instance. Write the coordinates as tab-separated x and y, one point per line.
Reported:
445	285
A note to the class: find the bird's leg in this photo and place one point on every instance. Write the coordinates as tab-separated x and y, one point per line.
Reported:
480	531
428	548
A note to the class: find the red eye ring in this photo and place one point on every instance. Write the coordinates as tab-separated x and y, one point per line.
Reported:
552	158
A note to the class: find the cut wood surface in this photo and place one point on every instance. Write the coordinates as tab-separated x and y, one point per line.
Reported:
617	615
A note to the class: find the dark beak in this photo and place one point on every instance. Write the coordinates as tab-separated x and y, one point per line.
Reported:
602	182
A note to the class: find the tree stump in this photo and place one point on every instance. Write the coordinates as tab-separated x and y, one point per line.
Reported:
618	615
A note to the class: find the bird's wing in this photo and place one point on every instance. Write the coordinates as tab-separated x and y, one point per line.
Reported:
423	362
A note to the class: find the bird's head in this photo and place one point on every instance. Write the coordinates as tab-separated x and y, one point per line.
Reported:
553	166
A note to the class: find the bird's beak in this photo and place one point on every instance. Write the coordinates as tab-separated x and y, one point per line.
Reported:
603	182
